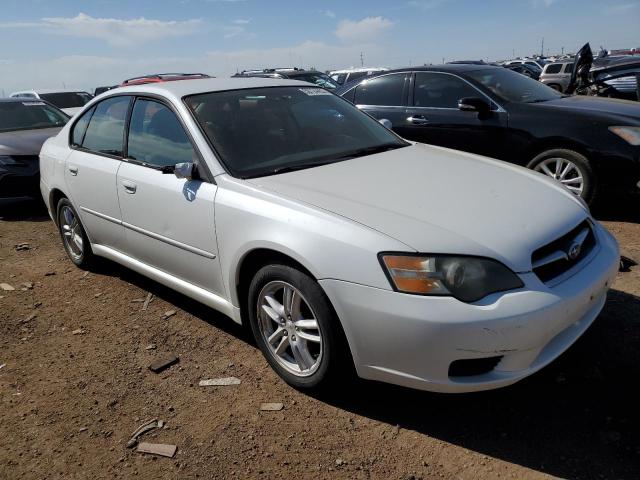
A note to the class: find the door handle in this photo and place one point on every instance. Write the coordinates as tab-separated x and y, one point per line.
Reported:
417	119
73	170
129	187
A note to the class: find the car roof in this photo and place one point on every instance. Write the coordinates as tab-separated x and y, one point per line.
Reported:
51	90
181	88
445	67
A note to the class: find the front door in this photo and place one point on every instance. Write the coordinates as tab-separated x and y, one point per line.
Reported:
433	116
168	222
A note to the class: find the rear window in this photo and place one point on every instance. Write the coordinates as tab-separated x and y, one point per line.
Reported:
29	114
387	90
67	99
554	68
106	128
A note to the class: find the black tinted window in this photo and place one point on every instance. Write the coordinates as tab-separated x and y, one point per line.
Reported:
80	127
106	128
568	67
67	99
385	90
554	68
440	90
29	114
156	137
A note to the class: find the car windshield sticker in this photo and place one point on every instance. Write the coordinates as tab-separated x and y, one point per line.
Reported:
33	103
315	91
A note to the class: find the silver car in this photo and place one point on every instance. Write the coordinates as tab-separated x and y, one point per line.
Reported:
341	244
557	75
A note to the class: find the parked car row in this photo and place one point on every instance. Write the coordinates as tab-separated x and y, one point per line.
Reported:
342	245
587	144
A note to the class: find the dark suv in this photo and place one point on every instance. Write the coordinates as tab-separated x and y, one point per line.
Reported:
312	76
583	142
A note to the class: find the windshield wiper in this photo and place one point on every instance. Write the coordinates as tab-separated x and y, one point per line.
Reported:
299	166
361	152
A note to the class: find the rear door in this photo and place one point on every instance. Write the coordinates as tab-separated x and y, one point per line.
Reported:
433	116
169	222
384	97
97	139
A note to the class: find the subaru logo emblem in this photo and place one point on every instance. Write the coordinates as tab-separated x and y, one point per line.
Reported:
574	251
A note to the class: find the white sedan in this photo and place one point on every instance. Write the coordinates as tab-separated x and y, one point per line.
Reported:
342	245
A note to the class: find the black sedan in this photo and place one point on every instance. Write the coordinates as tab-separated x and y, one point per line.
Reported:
24	126
585	143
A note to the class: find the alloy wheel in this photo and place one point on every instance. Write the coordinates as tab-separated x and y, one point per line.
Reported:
289	328
71	232
564	171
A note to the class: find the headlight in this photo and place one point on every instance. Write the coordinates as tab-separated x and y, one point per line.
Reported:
7	160
466	278
630	134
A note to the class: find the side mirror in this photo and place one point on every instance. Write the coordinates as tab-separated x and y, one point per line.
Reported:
386	123
184	170
474	104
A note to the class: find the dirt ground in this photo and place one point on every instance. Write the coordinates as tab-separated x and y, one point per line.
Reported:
74	385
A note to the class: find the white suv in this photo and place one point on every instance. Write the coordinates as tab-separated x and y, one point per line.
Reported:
284	206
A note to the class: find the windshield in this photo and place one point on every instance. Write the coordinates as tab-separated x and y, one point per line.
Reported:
67	99
29	114
513	87
318	78
262	131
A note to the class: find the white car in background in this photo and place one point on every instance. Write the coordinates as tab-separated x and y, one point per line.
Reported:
347	75
284	206
69	101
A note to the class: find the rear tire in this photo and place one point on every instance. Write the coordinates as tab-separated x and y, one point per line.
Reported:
570	168
74	238
296	328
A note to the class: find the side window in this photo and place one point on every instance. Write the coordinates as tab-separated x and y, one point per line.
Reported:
156	137
80	127
439	90
106	127
568	67
386	90
554	68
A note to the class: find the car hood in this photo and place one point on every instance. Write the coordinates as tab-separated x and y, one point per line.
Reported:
71	111
597	105
437	200
25	142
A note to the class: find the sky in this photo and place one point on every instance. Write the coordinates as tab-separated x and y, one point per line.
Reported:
89	43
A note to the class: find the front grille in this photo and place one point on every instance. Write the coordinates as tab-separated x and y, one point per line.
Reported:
473	366
555	258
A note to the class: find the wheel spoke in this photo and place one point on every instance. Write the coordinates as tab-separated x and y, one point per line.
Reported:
276	335
546	170
313	324
275	305
572	180
77	239
574	189
282	346
272	313
309	337
558	166
566	170
299	355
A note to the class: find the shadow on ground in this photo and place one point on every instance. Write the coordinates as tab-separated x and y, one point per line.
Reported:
23	210
577	418
618	207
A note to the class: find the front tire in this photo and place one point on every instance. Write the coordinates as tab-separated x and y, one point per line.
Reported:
295	327
74	238
569	168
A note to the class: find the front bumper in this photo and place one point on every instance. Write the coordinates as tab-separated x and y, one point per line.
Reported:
412	340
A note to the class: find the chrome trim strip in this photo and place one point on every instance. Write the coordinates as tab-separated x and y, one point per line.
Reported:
174	243
197	293
102	216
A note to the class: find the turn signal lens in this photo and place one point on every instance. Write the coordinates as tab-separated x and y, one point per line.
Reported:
630	134
466	278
